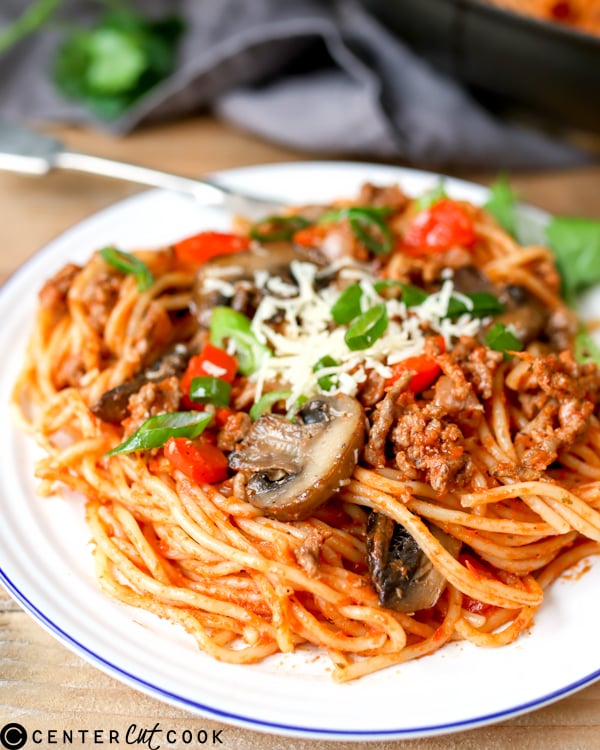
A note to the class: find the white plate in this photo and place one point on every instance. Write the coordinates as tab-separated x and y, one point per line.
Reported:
45	559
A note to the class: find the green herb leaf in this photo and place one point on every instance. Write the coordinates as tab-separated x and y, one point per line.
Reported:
208	389
227	324
116	61
129	264
347	305
112	65
33	18
501	339
266	402
366	329
576	244
412	296
502	204
277	228
432	196
389	288
483	305
326	382
156	430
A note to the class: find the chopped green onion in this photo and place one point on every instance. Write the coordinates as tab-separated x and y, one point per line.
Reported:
367	224
335	214
266	402
230	324
347	305
432	196
366	329
501	339
129	264
210	390
156	430
277	228
372	231
412	296
586	348
483	305
385	286
326	382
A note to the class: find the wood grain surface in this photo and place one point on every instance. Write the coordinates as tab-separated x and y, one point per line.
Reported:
46	687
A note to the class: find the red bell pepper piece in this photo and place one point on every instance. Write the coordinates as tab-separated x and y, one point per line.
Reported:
212	360
199	461
202	247
426	372
426	369
443	225
311	236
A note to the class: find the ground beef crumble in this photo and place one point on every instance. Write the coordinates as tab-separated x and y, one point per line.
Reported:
558	396
426	435
150	400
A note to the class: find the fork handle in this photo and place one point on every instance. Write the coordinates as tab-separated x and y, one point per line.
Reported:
204	191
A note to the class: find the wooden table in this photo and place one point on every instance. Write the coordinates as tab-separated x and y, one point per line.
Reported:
45	686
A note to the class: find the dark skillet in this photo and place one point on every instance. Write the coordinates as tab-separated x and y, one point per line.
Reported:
551	68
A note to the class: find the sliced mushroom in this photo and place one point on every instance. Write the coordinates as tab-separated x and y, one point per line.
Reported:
403	575
524	312
113	406
297	466
229	279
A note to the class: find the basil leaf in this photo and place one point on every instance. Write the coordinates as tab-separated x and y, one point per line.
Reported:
576	244
156	430
347	305
129	264
483	306
502	204
208	389
501	339
228	324
113	64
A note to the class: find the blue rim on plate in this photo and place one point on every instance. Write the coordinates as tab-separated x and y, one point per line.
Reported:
249	722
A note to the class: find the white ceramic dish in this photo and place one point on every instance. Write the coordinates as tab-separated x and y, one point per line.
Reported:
45	561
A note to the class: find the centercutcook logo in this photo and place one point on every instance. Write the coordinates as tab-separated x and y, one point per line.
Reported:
14	736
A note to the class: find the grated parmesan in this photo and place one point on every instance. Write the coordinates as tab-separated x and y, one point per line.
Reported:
306	332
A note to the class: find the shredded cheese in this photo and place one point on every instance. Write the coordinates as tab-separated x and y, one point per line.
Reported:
305	331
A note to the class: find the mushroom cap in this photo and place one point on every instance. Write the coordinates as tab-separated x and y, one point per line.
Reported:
297	466
236	274
404	577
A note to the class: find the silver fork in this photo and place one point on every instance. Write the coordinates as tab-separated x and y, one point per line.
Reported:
29	152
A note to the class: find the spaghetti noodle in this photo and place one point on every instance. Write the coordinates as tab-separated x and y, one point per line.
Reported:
358	427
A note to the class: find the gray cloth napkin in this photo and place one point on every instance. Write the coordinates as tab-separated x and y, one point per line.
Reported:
314	75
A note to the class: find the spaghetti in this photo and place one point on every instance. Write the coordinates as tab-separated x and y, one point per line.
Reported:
358	427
